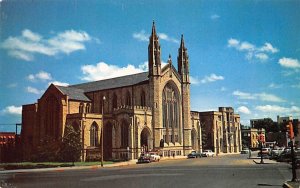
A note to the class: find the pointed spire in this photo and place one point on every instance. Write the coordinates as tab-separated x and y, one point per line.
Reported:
182	42
153	29
170	60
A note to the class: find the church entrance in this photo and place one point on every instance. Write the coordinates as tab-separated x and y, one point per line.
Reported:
145	140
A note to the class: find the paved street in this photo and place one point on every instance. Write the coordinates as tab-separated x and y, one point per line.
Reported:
221	171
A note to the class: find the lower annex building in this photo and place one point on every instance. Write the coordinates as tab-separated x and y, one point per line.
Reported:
141	112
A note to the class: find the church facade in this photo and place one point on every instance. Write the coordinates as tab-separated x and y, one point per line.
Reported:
149	111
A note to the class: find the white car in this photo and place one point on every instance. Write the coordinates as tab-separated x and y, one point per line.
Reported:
207	153
154	157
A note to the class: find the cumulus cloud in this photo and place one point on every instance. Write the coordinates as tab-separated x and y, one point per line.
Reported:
194	80
251	51
244	110
278	109
257	96
211	78
40	76
143	36
33	90
289	63
28	44
102	71
13	110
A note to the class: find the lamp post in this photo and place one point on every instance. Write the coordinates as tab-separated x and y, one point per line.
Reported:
102	129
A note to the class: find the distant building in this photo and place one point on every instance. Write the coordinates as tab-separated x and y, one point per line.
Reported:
254	121
219	130
284	119
251	137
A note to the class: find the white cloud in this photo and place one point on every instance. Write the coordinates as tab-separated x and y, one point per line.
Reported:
26	46
14	110
257	96
102	71
278	109
59	83
211	78
262	56
268	48
243	95
143	36
33	90
12	85
251	51
275	86
40	76
289	63
214	17
165	37
244	110
194	80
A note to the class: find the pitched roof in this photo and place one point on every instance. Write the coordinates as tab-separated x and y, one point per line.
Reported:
77	92
73	93
113	82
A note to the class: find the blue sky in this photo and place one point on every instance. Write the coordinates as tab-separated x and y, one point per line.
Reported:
244	54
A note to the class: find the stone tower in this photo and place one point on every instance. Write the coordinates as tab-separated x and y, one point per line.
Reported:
154	64
183	69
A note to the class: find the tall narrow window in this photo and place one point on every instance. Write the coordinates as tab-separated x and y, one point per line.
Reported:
94	141
124	135
115	101
170	112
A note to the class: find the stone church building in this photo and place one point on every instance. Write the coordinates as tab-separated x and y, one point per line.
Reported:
137	113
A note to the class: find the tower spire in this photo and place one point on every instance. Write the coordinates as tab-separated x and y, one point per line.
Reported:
154	61
183	62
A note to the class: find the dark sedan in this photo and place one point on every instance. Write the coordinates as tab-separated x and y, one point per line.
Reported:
194	155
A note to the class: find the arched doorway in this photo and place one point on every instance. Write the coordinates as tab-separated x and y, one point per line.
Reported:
145	140
107	149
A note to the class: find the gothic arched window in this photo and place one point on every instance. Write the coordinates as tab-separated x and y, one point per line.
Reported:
170	112
52	116
94	141
124	135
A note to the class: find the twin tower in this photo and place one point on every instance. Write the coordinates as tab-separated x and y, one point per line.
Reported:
165	109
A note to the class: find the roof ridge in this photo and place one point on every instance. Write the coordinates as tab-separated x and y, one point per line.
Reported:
106	79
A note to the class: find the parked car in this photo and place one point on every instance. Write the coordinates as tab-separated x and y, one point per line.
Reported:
194	154
207	153
154	157
144	158
276	152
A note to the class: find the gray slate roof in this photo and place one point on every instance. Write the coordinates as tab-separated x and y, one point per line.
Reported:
113	82
74	93
77	92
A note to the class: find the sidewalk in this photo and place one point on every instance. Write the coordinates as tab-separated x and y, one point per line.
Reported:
58	169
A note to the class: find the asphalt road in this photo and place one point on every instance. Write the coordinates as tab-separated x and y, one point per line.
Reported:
222	171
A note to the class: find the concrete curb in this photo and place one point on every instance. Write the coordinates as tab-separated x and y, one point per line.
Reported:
290	184
60	169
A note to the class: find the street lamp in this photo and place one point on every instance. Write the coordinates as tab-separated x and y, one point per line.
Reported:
102	129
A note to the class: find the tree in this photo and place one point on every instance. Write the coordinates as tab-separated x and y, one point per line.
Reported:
267	124
47	150
71	147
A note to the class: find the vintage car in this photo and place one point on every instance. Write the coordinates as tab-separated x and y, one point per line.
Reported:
207	153
144	158
194	154
154	157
